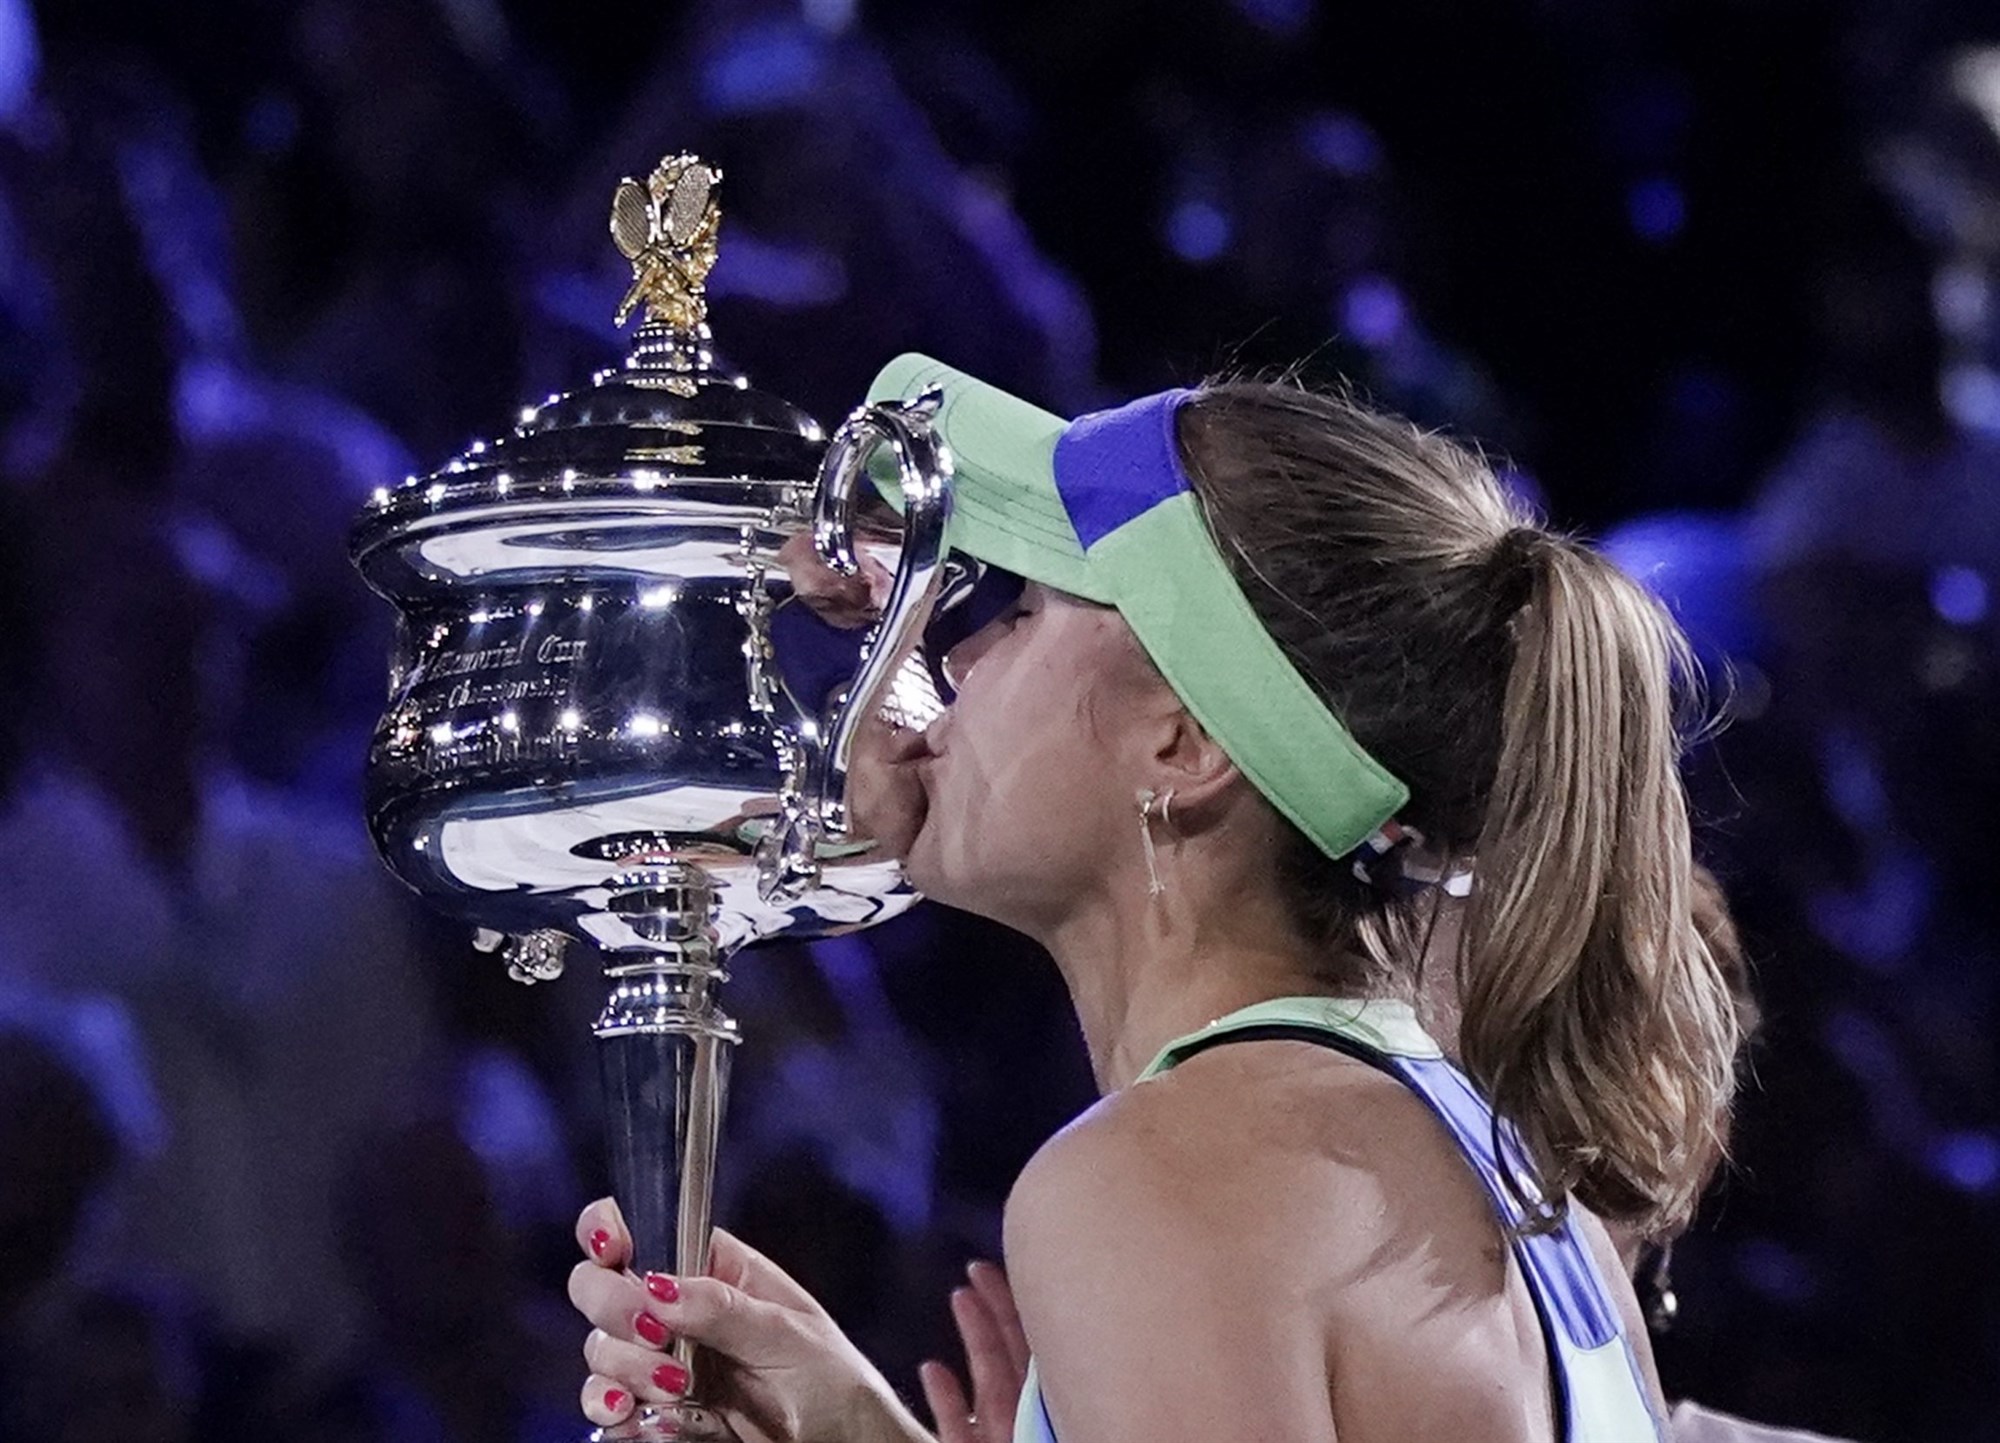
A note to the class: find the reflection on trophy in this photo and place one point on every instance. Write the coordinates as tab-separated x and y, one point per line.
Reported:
611	720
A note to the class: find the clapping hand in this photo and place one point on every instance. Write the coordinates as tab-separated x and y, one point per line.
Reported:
996	1355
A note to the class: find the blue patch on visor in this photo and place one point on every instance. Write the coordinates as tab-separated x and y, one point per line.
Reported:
1113	466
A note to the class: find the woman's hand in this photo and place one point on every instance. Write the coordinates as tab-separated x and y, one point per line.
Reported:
778	1369
996	1354
847	602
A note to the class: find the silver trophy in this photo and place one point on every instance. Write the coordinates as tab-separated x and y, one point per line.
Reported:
611	720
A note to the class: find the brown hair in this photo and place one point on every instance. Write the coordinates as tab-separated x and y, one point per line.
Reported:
1530	695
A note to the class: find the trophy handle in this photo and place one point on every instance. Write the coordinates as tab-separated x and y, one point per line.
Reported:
924	473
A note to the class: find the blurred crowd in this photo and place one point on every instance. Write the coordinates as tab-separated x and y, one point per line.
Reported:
280	1155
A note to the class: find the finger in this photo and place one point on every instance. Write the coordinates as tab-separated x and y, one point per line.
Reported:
950	1413
737	1263
606	1400
843	601
989	1280
757	1333
611	1301
996	1382
638	1370
600	1232
877	579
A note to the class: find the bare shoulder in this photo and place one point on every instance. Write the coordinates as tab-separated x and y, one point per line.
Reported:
1280	1136
1317	1204
1147	1244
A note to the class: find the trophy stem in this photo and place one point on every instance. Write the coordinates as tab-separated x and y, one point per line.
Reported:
663	1050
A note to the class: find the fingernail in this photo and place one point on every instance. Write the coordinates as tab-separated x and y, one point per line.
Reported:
671	1378
651	1329
599	1241
663	1287
614	1399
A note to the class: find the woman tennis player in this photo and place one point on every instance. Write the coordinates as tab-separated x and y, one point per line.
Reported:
1287	682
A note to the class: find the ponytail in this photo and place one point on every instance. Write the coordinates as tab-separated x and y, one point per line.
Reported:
1525	690
1593	1014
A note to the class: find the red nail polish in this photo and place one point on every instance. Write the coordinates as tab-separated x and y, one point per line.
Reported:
671	1378
614	1400
599	1241
663	1287
651	1329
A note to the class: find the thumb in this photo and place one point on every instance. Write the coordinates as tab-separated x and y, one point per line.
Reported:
736	1263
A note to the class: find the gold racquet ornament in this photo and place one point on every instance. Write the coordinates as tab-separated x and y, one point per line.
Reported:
666	227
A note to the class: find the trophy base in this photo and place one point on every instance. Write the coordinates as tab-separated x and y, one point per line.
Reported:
680	1422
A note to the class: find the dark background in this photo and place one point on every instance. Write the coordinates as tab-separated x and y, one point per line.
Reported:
1715	281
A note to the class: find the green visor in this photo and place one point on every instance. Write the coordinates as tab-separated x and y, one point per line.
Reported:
1101	508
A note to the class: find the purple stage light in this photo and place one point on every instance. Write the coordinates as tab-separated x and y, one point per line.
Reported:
762	67
1958	594
1341	143
1657	209
1198	231
1285	18
1373	312
1969	1161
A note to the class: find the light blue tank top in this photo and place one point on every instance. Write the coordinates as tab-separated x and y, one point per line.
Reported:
1600	1393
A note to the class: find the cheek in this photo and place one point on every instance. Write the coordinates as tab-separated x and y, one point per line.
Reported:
1027	779
1028	721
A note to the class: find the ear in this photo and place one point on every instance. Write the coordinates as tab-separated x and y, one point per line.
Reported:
1191	762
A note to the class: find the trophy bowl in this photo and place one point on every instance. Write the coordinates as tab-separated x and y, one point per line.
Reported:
612	720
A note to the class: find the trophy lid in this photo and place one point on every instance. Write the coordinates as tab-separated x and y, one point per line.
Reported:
665	430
